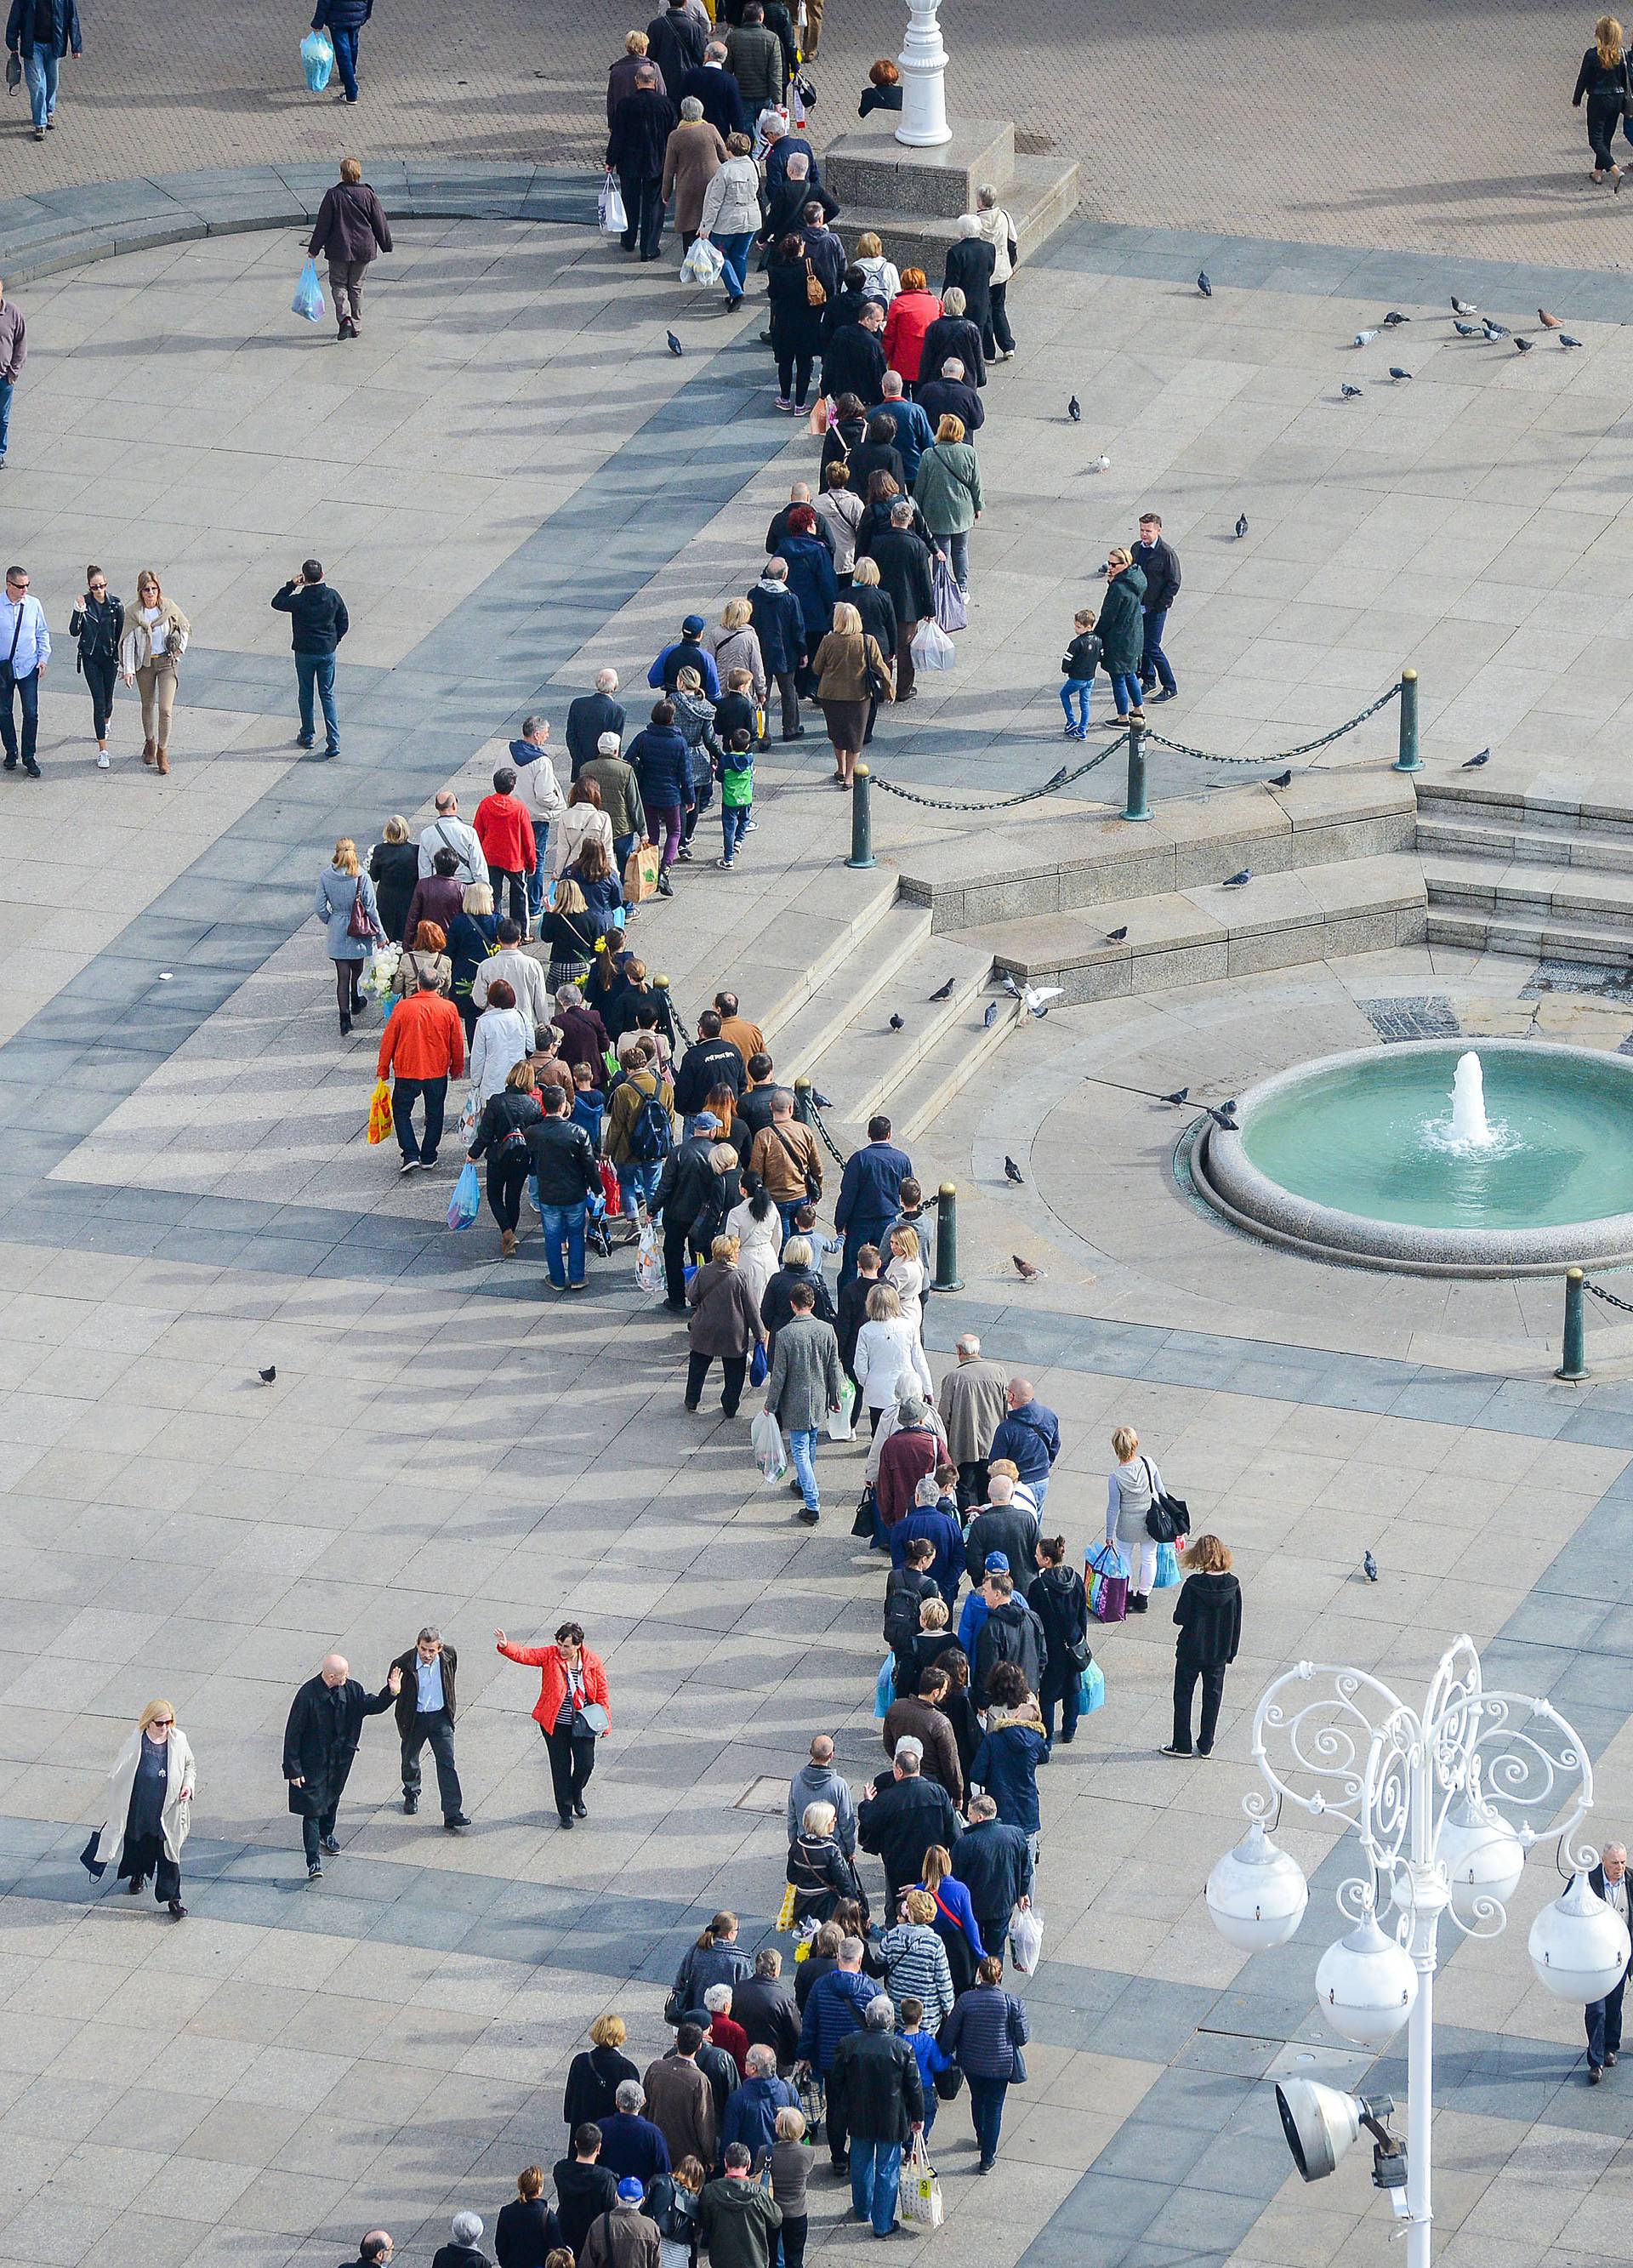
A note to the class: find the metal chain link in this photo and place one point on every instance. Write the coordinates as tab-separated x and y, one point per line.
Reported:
1609	1298
1309	748
821	1123
1062	778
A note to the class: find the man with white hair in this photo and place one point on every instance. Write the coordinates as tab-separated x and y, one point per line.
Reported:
719	97
765	2006
449	832
834	2010
631	2143
971	262
723	2030
320	1741
590	716
613	776
998	344
751	2113
1608	1881
914	430
876	2085
465	2250
974	1402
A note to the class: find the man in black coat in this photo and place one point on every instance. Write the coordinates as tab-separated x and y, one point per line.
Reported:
952	337
642	125
320	1741
590	716
764	2006
425	1709
970	264
1001	1525
900	1818
879	453
675	42
994	1863
800	493
585	2190
777	1306
774	611
710	1061
875	2090
1607	1880
853	358
563	1160
685	1195
1159	562
903	562
718	92
952	396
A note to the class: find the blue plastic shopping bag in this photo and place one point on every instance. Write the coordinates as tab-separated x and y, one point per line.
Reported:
885	1686
317	59
758	1366
308	300
1167	1567
465	1203
1091	1688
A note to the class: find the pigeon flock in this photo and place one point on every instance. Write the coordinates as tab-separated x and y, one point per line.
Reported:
1486	327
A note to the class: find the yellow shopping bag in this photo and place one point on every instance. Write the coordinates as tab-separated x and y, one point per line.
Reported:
379	1112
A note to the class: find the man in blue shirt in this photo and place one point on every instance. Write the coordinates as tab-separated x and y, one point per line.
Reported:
1029	1437
914	430
25	647
425	1713
935	1517
869	1193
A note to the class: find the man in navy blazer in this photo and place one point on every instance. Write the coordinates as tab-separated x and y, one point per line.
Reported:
1603	2018
868	1193
718	92
590	716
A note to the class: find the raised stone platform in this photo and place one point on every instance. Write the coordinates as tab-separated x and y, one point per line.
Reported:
913	197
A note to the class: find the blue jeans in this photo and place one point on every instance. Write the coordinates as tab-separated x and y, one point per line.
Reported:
1603	2019
635	1180
734	251
734	818
1077	690
986	2110
316	670
623	845
6	391
875	2182
802	1448
1040	1490
345	44
40	69
28	694
535	880
563	1232
957	549
1125	690
1153	661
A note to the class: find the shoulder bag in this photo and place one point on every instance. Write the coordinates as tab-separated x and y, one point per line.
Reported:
1627	89
1169	1517
8	674
813	1186
816	290
359	922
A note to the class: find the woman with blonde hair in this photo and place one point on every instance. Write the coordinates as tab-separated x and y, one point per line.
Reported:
790	2162
1604	79
473	935
1134	1486
820	1874
947	490
150	657
884	277
1209	1617
596	2073
887	1351
344	901
850	671
150	1809
735	644
904	1272
394	871
724	1323
583	817
915	1959
570	930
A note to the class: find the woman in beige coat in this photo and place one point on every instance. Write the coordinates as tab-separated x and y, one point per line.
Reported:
149	656
583	818
840	666
150	1809
693	156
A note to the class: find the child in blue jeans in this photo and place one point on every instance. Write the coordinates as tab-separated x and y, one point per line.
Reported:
926	2053
736	792
1080	660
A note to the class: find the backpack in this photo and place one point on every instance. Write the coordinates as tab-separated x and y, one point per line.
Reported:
651	1137
901	1618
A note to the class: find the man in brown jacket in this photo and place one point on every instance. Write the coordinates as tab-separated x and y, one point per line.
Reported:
680	2102
625	2237
919	1715
785	1156
974	1402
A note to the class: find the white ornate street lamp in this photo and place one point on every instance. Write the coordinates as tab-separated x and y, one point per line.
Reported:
1446	1803
924	66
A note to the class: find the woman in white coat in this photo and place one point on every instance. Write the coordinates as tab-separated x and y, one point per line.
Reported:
904	1272
503	1036
887	1350
1134	1484
759	1234
150	1809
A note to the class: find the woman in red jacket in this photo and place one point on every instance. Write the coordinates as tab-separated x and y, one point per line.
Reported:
572	1710
912	312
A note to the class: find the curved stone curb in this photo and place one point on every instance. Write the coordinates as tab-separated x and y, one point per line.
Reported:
65	228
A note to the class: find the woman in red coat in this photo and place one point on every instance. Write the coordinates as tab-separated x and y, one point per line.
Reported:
572	1710
912	312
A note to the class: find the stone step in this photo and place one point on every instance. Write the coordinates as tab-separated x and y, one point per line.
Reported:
802	1036
1540	939
1186	937
806	941
864	1066
1040	197
945	1069
1473	801
1542	846
1527	890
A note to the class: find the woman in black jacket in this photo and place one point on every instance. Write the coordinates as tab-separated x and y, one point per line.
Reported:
526	2232
1058	1599
957	1706
99	622
394	868
847	433
1604	79
596	2073
796	325
819	1873
1209	1619
501	1138
884	490
878	611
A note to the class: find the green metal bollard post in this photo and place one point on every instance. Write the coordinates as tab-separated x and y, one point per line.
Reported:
1573	1354
1137	807
946	1278
861	818
1408	760
803	1110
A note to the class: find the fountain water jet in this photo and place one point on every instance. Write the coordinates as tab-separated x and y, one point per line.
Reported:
1469	1104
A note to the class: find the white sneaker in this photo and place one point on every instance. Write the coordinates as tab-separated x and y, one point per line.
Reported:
101	760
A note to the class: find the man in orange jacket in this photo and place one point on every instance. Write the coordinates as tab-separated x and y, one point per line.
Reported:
422	1048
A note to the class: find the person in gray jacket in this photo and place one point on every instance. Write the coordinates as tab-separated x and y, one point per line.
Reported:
804	1385
818	1782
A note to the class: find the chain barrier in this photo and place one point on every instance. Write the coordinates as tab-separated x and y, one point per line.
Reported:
1062	778
1609	1298
821	1123
1205	755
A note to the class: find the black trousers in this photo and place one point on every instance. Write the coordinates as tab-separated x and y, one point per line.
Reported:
793	377
507	1178
144	1855
313	1832
498	877
644	213
1604	115
438	1728
998	332
101	672
572	1760
733	1366
972	1484
1186	1673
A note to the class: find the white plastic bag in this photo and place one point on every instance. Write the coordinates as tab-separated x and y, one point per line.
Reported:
469	1113
613	221
932	648
649	1264
704	262
919	2191
1026	1939
842	1423
766	1435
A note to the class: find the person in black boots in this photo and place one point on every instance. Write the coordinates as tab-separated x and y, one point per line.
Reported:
1209	1619
425	1713
99	622
321	1746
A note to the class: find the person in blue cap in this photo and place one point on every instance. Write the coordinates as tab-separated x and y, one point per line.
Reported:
686	652
980	1604
625	2237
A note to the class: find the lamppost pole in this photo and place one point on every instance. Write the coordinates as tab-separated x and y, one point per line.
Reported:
1446	1801
924	66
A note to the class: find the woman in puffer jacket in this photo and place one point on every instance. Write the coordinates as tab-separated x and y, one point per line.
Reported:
819	1873
695	715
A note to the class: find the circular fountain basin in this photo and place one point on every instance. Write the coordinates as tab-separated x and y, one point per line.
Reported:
1355	1158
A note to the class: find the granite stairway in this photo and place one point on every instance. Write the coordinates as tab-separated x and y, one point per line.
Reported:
1537	878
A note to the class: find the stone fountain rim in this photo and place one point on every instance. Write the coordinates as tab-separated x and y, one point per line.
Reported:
1245	1195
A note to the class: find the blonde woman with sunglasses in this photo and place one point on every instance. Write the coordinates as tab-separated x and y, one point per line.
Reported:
150	1809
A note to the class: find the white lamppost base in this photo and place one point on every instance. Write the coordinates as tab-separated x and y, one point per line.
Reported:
924	66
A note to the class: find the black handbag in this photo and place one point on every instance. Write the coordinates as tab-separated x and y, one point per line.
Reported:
1169	1517
1078	1653
949	2084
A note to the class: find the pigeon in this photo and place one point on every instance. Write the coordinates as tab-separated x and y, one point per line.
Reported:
897	1024
944	991
1204	283
1524	346
991	1016
1280	779
820	1099
1565	340
1225	1118
1034	999
1074	411
1179	1096
1466	330
1463	306
1100	465
1104	568
1025	1270
1395	370
675	347
1350	393
1235	882
1474	762
1548	322
1393	320
1364	338
1116	936
1369	1566
1012	1173
1241	525
1494	330
269	1373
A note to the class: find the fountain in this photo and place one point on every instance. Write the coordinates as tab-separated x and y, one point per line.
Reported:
1353	1158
